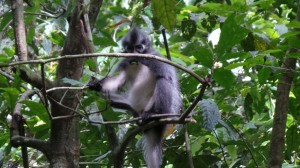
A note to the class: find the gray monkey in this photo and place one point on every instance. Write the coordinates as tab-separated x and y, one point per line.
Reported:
145	87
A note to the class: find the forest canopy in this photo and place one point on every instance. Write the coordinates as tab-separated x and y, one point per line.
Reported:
237	62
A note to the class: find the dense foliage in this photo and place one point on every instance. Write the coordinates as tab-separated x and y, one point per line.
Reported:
239	44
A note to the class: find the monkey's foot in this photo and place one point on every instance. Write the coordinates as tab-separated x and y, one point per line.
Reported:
146	117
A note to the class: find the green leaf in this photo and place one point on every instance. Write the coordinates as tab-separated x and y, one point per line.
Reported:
165	11
231	132
17	78
219	9
4	59
5	19
204	56
231	34
294	24
263	75
292	140
248	106
11	96
188	28
57	37
35	109
211	114
294	42
9	51
224	77
104	41
3	82
205	160
92	64
191	48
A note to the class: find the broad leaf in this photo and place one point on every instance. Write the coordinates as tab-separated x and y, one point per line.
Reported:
165	11
204	56
211	114
231	34
224	77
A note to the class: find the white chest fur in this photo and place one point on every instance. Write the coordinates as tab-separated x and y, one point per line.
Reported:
141	87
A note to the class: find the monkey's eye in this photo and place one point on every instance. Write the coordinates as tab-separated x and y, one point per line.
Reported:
129	49
139	48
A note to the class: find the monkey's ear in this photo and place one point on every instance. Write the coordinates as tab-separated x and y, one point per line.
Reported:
95	85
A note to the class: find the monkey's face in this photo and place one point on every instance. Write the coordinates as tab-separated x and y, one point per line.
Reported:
136	42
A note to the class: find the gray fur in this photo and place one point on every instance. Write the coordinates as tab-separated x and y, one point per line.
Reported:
152	88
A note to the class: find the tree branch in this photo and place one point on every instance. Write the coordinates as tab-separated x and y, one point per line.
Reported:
17	126
195	102
149	56
34	78
19	30
17	112
40	145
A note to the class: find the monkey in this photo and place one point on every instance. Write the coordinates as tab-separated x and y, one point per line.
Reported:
144	87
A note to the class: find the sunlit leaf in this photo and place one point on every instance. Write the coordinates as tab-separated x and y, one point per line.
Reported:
231	34
165	11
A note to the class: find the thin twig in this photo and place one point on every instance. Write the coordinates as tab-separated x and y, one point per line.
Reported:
43	13
44	90
166	44
66	88
221	147
246	143
63	96
68	116
188	147
195	102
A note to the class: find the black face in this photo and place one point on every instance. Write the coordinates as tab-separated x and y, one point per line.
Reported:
136	42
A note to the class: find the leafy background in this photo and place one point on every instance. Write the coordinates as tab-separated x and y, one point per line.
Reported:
240	44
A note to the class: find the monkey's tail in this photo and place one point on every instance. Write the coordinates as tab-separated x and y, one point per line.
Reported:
152	146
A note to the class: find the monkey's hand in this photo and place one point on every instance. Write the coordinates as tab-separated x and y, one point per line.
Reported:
95	85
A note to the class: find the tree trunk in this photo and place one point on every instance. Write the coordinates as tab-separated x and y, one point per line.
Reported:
64	137
281	109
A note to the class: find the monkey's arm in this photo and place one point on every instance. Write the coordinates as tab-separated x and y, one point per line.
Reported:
108	84
113	83
109	87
